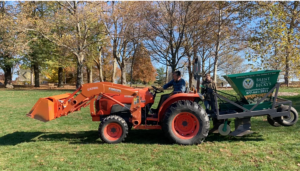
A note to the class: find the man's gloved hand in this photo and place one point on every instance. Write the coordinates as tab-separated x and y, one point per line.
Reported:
192	88
201	97
161	89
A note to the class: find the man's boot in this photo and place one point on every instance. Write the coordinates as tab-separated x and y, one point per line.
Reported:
216	124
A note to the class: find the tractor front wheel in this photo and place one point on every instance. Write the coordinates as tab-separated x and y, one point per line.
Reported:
113	129
186	123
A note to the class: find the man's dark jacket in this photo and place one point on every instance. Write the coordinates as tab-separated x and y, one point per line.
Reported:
207	89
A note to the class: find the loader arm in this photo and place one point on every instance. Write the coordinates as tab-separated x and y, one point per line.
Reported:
53	107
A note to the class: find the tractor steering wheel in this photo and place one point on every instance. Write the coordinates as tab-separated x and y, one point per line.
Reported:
157	90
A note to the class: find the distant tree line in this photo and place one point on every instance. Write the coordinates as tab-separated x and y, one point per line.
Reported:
143	42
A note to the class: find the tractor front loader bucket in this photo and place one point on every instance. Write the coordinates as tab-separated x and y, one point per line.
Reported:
46	109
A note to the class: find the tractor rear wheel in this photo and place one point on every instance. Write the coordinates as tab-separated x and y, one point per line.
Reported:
113	129
186	123
287	121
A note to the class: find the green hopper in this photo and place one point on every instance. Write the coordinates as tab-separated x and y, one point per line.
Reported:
258	96
253	85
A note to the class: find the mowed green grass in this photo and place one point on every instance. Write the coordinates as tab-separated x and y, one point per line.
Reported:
72	143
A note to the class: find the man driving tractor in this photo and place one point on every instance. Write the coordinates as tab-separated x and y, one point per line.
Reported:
178	84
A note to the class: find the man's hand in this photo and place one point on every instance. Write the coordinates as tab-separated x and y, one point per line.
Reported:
160	89
157	89
201	97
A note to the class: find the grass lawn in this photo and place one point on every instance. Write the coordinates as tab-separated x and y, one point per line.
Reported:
72	143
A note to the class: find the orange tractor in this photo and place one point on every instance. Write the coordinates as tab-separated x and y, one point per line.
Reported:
119	108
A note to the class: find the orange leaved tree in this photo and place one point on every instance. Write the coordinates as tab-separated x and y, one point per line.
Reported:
143	70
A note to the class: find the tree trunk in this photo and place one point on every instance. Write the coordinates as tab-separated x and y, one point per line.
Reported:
36	74
101	78
89	74
209	66
167	74
173	67
115	58
287	49
79	80
32	76
190	71
195	50
7	74
217	46
114	71
123	72
65	77
60	77
131	70
215	70
287	68
100	65
123	77
203	65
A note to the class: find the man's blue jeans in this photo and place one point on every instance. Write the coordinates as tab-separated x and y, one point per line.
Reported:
209	105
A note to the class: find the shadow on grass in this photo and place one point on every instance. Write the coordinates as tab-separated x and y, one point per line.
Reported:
18	137
91	137
219	138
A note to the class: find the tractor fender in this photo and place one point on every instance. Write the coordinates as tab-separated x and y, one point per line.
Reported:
174	98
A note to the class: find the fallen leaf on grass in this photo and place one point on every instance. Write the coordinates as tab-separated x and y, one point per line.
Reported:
298	164
155	150
270	158
224	150
200	169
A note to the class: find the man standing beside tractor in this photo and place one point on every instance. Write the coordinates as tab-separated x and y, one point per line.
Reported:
208	86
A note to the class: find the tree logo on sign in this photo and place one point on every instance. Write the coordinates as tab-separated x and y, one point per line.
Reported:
248	83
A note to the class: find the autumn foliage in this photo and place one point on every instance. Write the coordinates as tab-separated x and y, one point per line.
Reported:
143	70
116	41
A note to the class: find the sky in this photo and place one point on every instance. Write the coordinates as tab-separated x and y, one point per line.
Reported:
185	76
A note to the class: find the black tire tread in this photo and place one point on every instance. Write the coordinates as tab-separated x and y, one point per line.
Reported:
195	109
117	119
